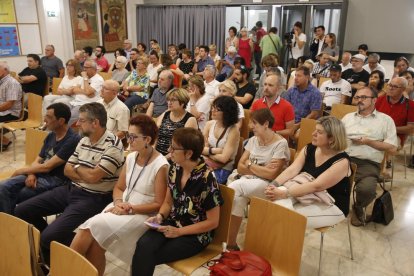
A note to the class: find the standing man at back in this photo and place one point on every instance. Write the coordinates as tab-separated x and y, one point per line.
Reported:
260	33
271	43
52	65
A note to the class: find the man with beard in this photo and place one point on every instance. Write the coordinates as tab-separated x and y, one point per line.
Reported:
370	133
158	101
245	90
101	61
356	76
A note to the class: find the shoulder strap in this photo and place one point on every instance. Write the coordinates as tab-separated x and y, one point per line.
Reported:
274	44
221	136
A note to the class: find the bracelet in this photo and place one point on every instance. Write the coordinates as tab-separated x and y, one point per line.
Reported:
210	151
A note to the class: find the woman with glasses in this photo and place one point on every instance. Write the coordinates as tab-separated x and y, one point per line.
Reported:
190	212
175	117
118	52
221	137
139	193
120	73
135	87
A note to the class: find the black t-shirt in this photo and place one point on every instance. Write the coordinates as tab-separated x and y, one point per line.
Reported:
38	86
248	88
186	67
354	77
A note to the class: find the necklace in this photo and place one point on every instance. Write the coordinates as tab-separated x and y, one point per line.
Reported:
129	191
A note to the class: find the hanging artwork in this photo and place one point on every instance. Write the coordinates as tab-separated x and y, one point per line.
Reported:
114	24
84	23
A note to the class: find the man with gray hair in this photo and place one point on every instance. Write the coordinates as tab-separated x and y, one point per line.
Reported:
89	90
210	83
158	100
79	57
127	47
52	65
346	61
373	63
11	94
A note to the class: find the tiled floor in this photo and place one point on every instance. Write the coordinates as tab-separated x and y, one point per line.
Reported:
378	249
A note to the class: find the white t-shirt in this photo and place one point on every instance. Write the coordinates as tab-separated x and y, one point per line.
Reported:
379	67
334	90
296	52
203	106
67	83
346	67
211	88
96	82
152	72
241	111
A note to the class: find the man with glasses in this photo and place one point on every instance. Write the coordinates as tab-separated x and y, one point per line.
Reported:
356	76
370	134
89	90
373	64
93	169
127	47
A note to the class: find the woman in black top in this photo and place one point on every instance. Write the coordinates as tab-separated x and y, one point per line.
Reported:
327	162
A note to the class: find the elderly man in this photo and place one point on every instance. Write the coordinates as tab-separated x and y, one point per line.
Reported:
373	64
93	169
79	57
335	90
52	65
202	60
321	68
33	78
46	171
356	76
158	101
245	89
346	61
227	64
117	111
127	47
370	134
10	99
89	90
282	110
210	83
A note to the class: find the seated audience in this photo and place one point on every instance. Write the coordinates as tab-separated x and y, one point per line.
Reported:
199	104
202	60
282	110
46	171
363	50
167	63
173	52
100	59
221	137
89	90
33	78
376	81
118	52
186	64
366	148
79	57
356	76
270	65
117	112
346	61
158	100
119	73
93	169
138	193
265	156
328	168
153	68
10	100
245	89
227	64
307	63
127	47
228	88
213	55
141	47
65	92
329	47
373	64
336	90
133	58
175	117
321	68
210	83
135	86
190	211
401	64
409	91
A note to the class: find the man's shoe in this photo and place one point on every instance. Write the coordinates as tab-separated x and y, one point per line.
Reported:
355	220
358	217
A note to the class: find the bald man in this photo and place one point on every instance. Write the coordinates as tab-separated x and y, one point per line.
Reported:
117	111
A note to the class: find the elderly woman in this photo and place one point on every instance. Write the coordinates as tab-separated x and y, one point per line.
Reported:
266	155
139	193
221	136
232	39
199	104
118	52
228	88
71	80
190	212
135	87
326	162
120	74
246	47
175	117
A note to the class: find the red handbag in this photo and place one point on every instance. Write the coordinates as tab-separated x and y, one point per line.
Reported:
241	263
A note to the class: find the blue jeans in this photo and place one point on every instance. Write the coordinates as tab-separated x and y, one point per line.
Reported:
14	191
134	100
222	175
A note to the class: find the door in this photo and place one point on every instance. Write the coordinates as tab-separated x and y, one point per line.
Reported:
252	14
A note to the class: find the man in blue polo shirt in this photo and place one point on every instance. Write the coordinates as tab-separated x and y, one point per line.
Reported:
202	60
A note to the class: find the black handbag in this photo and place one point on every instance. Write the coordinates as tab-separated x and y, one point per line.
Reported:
383	211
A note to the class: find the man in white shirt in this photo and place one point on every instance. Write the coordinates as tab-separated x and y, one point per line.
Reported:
335	90
346	61
373	64
370	134
210	83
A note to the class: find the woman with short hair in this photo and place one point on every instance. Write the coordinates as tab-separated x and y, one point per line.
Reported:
199	104
135	86
120	73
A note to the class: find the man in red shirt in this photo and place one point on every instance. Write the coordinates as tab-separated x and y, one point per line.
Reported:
260	32
282	110
101	61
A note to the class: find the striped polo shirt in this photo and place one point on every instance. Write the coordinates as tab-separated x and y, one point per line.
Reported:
11	90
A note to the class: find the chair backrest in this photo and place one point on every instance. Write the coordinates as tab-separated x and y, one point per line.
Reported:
221	233
105	76
244	130
13	74
340	110
307	126
239	153
292	155
36	138
15	245
65	261
322	80
46	91
55	85
34	108
276	234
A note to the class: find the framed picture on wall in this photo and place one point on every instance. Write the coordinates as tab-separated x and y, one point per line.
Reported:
114	23
84	22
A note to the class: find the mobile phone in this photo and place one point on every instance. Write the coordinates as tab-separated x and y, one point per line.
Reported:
152	224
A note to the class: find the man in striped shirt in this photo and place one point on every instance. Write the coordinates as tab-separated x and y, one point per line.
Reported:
93	169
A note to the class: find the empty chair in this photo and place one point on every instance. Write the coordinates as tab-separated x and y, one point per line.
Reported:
340	110
307	126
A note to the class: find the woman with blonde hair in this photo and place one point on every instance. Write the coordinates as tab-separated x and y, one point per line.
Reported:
228	88
331	48
214	56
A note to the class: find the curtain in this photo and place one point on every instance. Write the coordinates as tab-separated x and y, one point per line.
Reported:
192	25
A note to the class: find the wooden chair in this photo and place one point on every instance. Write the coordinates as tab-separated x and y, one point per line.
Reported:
322	80
55	85
244	130
323	230
187	266
276	234
15	246
47	87
33	120
340	110
307	126
239	153
65	261
105	76
292	155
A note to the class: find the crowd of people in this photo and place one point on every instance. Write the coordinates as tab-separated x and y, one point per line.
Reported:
179	114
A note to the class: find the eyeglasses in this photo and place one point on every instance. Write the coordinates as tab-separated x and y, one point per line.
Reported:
172	100
172	149
130	137
363	97
392	86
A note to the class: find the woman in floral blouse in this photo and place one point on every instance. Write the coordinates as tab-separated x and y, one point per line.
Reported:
190	211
